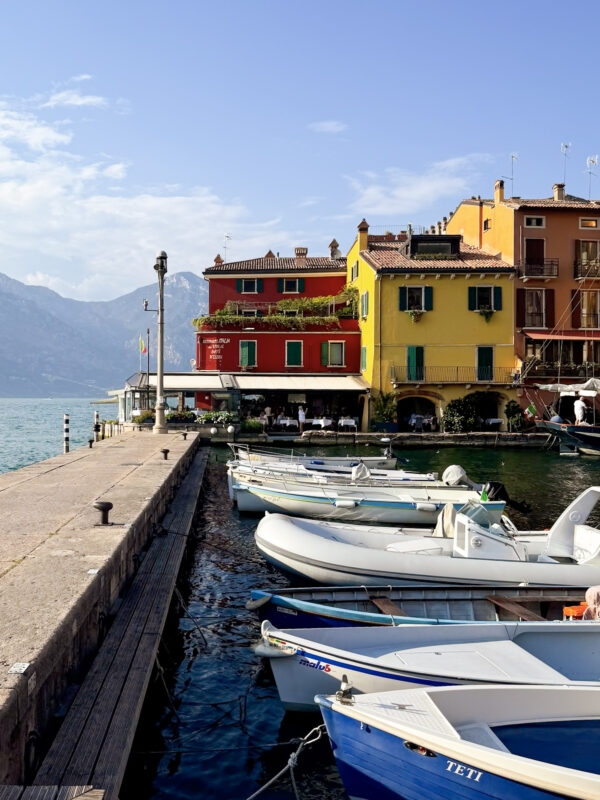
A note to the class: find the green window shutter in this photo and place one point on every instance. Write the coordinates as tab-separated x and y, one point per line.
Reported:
415	358
472	298
251	354
485	363
362	305
259	285
280	285
324	354
244	354
238	285
429	298
293	355
363	358
497	298
402	298
366	303
247	354
300	284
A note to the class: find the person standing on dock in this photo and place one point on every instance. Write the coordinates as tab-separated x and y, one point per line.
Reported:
301	418
268	416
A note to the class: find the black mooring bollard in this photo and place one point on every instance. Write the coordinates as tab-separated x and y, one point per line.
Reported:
184	434
165	453
90	442
103	507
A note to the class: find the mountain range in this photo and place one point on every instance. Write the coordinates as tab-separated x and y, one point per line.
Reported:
52	346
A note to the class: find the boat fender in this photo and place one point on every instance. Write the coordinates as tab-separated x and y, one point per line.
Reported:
317	461
266	650
252	605
427	507
340	503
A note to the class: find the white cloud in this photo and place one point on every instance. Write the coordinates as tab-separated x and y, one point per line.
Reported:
309	201
327	126
78	78
71	97
399	192
70	223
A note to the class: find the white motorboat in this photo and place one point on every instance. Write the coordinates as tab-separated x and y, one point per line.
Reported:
470	546
242	452
309	661
363	499
468	742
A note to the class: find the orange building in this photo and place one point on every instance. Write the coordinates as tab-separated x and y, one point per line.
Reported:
554	243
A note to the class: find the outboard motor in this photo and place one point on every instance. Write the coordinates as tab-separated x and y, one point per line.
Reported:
496	490
454	475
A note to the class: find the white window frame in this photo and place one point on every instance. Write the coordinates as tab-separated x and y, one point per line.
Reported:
484	286
301	364
595	227
247	291
535	227
336	341
362	304
290	291
255	353
543	309
251	313
597	313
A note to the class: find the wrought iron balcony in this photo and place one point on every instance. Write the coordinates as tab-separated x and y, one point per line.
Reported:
587	268
541	268
428	374
534	320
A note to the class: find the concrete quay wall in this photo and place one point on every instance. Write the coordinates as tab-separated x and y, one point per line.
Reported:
61	574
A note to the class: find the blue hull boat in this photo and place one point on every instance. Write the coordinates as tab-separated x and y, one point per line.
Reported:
339	606
475	743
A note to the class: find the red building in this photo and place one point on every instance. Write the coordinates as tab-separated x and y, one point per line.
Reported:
273	343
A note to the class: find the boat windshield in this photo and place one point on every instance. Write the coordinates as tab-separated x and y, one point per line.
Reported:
478	513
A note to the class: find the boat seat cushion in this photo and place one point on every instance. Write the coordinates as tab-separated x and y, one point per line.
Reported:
446	522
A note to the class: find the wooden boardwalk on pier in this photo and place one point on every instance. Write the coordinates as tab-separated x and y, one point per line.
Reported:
93	743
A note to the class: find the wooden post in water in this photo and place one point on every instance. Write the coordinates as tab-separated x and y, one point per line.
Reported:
96	426
66	438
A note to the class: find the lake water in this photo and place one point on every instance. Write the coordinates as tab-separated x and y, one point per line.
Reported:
31	429
212	725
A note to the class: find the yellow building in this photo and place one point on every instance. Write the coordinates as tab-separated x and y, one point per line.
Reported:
436	318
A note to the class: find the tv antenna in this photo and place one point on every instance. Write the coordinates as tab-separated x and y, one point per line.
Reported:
591	161
513	157
564	149
226	238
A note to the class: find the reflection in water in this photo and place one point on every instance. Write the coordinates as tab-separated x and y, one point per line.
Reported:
212	726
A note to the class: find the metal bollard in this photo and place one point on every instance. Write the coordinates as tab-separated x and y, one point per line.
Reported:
90	442
103	507
165	453
184	435
66	438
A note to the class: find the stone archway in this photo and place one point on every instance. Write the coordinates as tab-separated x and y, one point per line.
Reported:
413	409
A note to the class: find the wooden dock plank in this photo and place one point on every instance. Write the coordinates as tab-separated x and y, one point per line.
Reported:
40	793
96	738
11	792
515	608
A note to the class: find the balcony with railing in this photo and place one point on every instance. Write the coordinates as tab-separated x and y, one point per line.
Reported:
534	319
543	268
587	268
426	374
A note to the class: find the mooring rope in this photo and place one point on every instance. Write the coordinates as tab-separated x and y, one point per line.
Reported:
292	762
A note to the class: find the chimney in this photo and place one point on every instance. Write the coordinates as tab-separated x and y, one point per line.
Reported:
439	228
444	223
334	249
499	192
432	230
300	253
559	191
363	235
270	254
218	260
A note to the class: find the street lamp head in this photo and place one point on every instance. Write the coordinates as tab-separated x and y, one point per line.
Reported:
161	262
145	302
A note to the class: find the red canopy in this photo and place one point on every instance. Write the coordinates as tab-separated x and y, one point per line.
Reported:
589	335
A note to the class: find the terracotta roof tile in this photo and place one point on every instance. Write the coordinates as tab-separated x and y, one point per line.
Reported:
290	265
570	201
387	257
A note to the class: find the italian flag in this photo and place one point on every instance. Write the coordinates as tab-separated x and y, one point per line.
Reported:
142	346
530	410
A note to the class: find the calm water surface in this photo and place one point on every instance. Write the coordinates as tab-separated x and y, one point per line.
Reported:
31	429
212	725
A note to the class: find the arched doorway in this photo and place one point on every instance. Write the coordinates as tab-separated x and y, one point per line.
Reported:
483	409
416	413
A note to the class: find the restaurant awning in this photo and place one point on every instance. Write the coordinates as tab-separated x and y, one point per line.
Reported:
199	381
301	383
571	334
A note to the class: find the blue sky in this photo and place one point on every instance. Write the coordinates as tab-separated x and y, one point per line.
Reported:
131	127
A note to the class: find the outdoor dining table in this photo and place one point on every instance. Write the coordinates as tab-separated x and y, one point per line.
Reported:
323	422
288	422
347	422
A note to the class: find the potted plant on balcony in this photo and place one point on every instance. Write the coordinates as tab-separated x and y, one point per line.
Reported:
415	314
385	412
486	312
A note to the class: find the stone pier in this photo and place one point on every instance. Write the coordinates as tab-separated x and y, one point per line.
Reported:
62	573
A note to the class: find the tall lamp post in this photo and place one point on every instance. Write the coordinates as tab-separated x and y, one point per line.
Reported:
160	425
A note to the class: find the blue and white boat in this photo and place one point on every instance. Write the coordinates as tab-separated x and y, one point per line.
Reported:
467	743
306	662
339	606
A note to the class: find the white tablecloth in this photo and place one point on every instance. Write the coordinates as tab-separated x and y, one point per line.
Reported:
323	422
347	422
288	423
